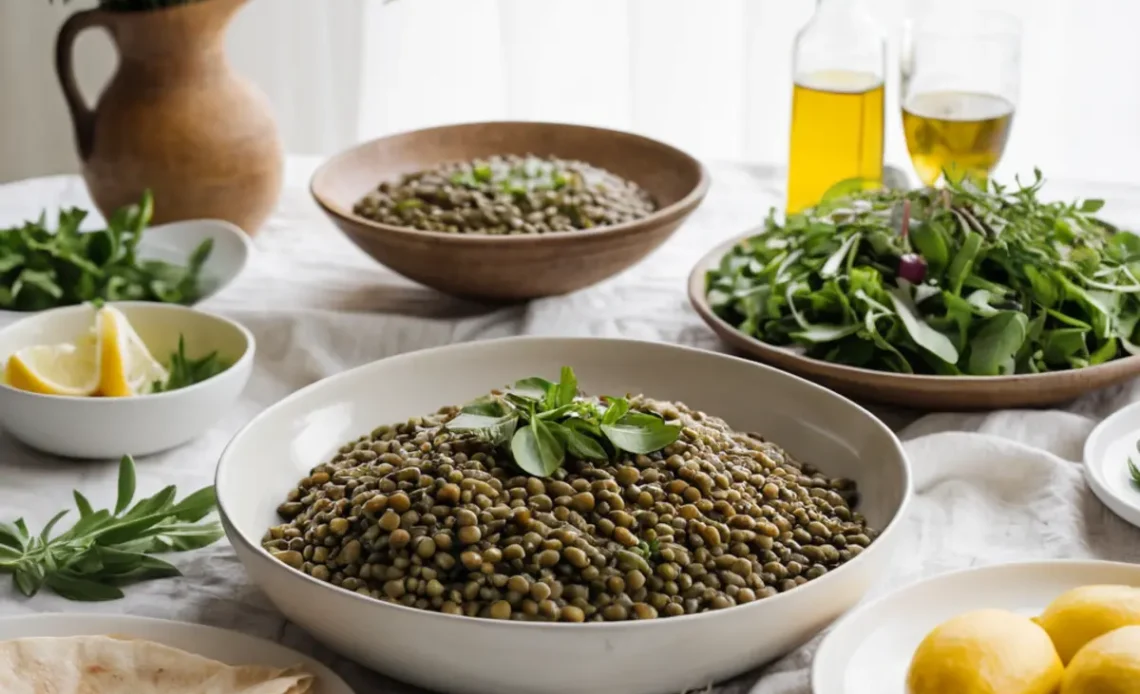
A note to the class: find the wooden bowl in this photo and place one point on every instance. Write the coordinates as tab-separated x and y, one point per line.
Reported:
921	392
519	266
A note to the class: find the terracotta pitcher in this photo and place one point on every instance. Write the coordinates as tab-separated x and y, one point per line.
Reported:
175	118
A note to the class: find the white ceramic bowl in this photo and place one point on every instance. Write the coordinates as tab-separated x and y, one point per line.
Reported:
869	651
175	242
463	655
83	427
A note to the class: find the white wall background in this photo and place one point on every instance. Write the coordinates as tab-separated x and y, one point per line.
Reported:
712	76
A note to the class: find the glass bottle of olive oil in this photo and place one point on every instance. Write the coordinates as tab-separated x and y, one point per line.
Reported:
838	66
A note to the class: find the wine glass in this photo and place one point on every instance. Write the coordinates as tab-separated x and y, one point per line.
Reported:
961	73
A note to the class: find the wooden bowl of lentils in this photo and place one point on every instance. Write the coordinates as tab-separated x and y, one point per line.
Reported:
509	210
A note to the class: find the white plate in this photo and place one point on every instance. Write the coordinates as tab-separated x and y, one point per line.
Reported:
218	644
1107	451
176	241
283	443
869	651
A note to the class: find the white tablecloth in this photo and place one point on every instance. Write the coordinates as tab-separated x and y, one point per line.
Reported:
990	487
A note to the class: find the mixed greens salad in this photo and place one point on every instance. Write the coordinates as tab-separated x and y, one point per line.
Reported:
958	281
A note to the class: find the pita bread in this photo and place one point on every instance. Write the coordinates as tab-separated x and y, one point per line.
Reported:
109	665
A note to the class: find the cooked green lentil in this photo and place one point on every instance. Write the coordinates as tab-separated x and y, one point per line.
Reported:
507	195
437	520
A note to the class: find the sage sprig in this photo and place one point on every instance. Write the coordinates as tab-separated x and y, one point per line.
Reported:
106	549
540	422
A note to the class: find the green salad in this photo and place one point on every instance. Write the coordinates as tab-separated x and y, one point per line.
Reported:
958	281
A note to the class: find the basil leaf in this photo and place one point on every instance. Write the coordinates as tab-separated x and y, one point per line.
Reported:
641	433
578	444
10	536
615	411
536	450
488	406
495	430
534	388
567	388
45	534
126	484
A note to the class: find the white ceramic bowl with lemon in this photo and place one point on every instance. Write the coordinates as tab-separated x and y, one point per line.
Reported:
80	382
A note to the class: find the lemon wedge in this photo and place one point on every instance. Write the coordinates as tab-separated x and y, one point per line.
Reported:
126	366
63	369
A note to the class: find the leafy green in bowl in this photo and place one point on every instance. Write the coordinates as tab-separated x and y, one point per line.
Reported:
42	268
959	281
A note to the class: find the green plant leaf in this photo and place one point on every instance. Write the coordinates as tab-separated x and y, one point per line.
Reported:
616	409
641	433
82	504
963	262
577	443
488	406
74	587
536	450
535	388
495	430
126	484
567	388
923	335
993	349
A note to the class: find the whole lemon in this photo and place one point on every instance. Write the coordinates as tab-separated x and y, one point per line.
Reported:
1109	664
1082	614
985	652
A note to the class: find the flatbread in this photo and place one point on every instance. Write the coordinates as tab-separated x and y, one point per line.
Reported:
110	665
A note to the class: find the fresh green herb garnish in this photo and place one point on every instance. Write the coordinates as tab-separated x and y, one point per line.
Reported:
105	549
949	282
183	371
540	423
41	269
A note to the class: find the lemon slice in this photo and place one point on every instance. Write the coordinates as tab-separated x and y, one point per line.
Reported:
126	366
63	369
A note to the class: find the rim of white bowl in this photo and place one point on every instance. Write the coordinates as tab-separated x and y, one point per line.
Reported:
246	356
820	659
821	583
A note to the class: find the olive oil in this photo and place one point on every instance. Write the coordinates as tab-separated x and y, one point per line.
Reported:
959	133
837	133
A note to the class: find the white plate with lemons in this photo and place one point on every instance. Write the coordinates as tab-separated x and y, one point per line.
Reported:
128	378
871	650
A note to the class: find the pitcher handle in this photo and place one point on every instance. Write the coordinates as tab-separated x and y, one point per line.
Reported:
82	116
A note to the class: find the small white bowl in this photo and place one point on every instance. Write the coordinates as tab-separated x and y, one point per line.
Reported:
91	427
869	651
1107	451
464	655
175	242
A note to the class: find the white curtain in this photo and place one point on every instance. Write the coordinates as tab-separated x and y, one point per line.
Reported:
712	76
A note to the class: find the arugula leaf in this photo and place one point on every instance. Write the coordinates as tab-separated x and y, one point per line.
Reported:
832	281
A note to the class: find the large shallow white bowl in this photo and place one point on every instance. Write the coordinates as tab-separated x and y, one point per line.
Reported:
465	655
99	428
228	647
175	242
869	651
